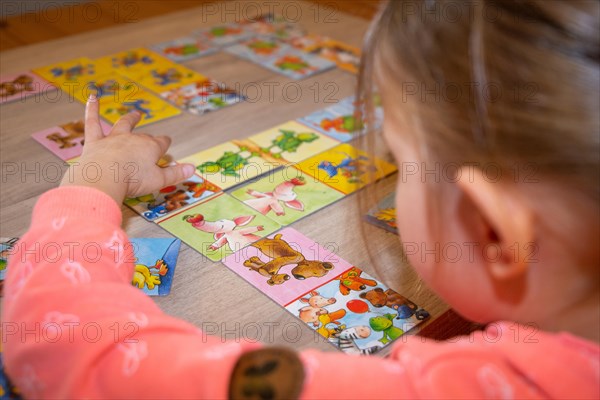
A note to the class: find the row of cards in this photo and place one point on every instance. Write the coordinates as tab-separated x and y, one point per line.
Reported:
154	259
349	308
337	122
271	180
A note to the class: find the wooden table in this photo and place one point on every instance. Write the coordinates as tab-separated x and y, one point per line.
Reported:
206	293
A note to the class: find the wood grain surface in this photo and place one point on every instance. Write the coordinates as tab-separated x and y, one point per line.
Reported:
206	293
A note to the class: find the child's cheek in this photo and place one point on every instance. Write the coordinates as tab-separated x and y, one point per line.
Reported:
411	218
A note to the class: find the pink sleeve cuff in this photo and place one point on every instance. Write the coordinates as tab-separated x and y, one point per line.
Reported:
78	202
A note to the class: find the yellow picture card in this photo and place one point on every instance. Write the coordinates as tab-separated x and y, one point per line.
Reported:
155	72
346	168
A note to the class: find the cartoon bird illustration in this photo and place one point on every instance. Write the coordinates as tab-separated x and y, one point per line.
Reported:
350	168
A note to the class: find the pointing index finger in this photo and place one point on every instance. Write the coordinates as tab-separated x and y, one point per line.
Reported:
93	129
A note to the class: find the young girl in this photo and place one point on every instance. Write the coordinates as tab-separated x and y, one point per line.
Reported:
522	202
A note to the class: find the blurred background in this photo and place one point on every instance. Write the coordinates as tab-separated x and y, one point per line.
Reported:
24	22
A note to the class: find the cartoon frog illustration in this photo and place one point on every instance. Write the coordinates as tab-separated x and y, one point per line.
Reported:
228	164
385	324
290	141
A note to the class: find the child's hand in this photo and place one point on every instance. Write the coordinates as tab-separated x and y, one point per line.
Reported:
122	164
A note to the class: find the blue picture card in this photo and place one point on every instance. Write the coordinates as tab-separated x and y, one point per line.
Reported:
155	261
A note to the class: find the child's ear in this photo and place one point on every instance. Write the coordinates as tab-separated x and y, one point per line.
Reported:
507	223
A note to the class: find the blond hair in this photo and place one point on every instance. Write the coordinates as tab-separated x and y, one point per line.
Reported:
511	83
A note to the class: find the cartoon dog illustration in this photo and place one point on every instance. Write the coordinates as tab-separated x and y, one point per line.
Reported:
199	188
74	135
226	231
390	298
270	201
281	255
351	280
21	83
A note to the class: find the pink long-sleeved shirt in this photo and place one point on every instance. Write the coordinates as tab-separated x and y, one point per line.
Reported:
74	327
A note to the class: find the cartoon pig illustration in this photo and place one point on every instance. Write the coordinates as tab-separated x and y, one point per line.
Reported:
225	230
270	201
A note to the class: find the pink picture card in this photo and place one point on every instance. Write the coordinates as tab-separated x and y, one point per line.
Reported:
308	265
66	140
21	85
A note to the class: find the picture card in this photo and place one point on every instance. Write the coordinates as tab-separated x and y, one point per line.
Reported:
66	140
281	58
155	261
184	48
291	142
202	97
218	226
346	168
223	35
70	76
288	196
306	41
272	25
343	55
298	65
151	70
286	265
356	313
21	85
339	121
259	49
383	214
231	163
6	248
118	96
171	198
